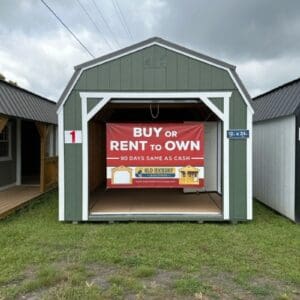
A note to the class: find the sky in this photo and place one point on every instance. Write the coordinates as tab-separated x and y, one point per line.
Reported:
260	37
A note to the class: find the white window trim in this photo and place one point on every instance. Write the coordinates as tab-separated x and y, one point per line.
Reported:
9	157
107	96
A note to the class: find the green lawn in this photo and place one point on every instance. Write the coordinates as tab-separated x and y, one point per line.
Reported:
42	258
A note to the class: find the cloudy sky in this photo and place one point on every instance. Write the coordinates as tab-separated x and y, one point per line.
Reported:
260	37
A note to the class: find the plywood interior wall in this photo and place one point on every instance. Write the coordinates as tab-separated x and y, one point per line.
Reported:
97	161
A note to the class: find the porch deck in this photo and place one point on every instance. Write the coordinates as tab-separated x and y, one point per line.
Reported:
15	197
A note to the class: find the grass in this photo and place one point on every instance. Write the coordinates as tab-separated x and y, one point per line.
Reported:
43	257
189	286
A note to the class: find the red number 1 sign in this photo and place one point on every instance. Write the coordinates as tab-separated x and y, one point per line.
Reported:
73	137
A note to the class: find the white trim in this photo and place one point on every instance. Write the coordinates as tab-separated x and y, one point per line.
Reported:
241	91
85	161
18	152
249	167
219	157
61	167
166	47
9	156
85	148
106	96
5	187
203	96
155	213
226	160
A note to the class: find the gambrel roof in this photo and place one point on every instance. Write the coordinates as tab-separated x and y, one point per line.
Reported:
165	44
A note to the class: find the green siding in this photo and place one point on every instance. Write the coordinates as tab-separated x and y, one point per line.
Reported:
91	103
91	78
73	161
73	182
137	71
155	69
72	112
218	102
238	159
126	73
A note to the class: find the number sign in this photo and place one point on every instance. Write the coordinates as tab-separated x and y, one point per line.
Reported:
73	137
237	134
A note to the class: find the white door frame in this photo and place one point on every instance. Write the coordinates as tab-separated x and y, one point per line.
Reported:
107	96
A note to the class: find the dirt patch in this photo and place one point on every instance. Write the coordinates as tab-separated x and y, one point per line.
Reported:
101	274
161	280
161	285
227	286
32	296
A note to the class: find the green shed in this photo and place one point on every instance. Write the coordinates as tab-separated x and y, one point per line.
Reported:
155	81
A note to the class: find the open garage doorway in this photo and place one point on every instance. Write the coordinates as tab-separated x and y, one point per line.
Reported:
198	201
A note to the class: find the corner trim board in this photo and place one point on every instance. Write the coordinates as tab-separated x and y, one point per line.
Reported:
61	167
249	167
226	204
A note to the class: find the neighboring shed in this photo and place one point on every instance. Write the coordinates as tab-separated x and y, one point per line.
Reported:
121	87
28	138
276	149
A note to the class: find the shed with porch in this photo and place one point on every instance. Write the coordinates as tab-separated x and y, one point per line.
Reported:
28	146
185	86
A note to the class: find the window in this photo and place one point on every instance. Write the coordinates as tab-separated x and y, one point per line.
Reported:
5	143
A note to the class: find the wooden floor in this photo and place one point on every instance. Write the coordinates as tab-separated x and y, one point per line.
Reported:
167	201
15	197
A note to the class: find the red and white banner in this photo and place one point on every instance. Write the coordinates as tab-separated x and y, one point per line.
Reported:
155	155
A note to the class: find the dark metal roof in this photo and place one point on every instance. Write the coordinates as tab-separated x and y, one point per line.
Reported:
278	102
143	44
20	103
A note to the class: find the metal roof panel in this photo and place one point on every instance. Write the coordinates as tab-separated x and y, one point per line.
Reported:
20	103
279	102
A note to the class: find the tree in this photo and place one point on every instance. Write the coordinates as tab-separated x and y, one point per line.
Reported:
2	77
13	82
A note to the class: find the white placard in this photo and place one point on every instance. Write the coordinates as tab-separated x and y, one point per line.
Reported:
73	137
122	177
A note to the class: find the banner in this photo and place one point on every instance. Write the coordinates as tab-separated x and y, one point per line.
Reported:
154	155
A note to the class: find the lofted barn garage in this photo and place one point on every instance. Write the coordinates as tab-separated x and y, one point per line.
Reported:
119	110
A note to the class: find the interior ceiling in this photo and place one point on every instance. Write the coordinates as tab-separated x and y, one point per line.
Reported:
140	112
